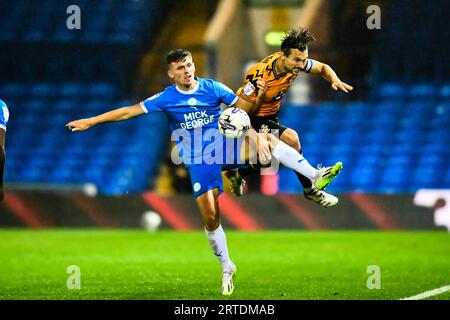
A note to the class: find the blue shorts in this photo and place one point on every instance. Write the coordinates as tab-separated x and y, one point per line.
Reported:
205	177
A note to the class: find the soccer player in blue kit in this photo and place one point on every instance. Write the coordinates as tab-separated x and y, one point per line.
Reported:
4	116
193	106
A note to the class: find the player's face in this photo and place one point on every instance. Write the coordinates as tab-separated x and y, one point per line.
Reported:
296	61
183	72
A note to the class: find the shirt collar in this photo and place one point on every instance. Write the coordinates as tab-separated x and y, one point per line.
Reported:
190	91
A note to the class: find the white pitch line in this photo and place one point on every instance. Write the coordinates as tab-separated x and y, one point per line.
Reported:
428	294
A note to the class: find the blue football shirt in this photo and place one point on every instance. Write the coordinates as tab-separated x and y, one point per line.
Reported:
4	115
193	116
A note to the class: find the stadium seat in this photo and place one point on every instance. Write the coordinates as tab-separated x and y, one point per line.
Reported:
393	92
444	93
422	92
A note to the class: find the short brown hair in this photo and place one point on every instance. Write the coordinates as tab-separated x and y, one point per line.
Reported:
177	55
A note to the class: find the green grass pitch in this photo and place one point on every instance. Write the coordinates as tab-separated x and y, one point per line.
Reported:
127	264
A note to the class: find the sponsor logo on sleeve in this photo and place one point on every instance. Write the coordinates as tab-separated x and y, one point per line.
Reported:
249	89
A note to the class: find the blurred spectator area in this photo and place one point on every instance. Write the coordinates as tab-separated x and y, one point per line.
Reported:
117	157
37	45
52	75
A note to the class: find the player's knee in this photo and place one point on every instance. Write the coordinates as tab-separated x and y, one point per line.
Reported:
211	221
273	140
290	137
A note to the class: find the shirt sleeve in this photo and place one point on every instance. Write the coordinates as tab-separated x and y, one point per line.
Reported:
225	94
309	65
4	116
248	91
153	104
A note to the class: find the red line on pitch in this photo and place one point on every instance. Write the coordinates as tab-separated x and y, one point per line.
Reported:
92	212
374	211
25	213
237	215
169	212
301	213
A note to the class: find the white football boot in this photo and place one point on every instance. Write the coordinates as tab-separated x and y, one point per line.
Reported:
321	197
227	281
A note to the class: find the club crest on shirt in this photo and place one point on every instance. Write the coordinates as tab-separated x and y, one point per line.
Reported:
192	101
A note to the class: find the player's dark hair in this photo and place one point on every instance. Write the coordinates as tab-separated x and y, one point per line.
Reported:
177	55
296	39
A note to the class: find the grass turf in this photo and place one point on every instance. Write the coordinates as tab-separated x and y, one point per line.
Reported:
124	264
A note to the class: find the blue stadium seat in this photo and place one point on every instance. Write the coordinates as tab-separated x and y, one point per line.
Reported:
288	181
122	37
395	179
444	93
102	90
365	181
71	90
422	92
427	177
42	90
13	89
393	92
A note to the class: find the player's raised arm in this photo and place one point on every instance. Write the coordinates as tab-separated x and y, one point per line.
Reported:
119	114
328	74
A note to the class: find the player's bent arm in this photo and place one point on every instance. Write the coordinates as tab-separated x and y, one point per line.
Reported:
119	114
2	161
328	74
244	105
252	108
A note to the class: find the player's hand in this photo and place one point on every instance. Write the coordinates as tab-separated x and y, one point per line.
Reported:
79	125
264	153
262	87
341	86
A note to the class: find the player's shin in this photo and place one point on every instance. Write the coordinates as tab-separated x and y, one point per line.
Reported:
292	159
306	183
218	242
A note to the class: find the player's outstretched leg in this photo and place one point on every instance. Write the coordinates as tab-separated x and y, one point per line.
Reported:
292	159
326	175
